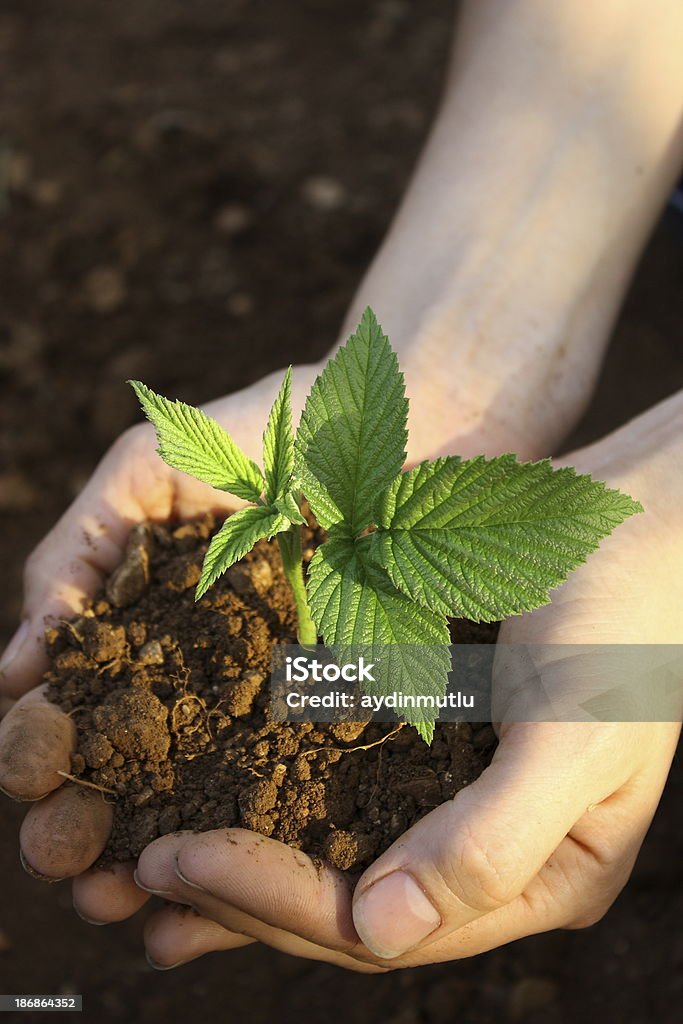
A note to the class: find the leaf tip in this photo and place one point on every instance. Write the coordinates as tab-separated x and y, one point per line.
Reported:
425	730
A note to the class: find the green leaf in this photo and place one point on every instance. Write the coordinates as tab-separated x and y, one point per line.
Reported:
355	605
351	439
425	730
289	507
192	442
236	537
484	539
278	442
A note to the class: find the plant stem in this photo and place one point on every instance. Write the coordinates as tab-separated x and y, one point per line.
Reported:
290	552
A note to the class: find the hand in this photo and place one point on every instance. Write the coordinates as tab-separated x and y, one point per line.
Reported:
68	826
546	838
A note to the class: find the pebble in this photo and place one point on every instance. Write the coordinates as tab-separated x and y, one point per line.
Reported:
244	578
151	653
129	581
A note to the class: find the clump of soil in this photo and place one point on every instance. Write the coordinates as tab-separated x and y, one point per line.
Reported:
171	700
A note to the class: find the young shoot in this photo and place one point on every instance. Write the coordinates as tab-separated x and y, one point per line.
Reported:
406	549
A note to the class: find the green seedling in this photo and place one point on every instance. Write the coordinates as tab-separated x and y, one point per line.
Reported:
477	538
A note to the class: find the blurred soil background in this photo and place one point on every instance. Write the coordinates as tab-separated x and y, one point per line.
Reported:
189	194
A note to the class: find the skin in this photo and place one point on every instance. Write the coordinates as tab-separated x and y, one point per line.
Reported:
500	327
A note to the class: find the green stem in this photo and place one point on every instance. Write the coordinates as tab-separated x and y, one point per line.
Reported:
290	552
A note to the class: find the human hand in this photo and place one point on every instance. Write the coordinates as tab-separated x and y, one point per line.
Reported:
547	836
68	826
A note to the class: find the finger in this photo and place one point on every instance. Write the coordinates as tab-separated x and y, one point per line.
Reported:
480	850
158	871
36	742
176	935
106	895
67	566
274	883
277	938
574	889
65	833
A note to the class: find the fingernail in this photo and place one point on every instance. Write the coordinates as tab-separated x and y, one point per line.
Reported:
32	871
23	799
394	915
14	646
89	920
186	881
165	894
162	967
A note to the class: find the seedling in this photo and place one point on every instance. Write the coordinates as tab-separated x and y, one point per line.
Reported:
478	538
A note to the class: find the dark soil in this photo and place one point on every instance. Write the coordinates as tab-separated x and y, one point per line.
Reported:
158	220
171	699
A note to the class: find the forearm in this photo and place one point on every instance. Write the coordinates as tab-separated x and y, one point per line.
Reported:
556	144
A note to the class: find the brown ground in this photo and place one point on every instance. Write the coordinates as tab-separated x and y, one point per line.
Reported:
163	217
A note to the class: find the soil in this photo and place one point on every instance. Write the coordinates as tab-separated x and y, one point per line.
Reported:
171	699
189	194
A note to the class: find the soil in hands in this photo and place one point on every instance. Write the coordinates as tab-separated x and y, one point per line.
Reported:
171	702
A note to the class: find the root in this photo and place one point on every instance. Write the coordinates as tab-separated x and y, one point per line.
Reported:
179	727
365	746
81	707
89	785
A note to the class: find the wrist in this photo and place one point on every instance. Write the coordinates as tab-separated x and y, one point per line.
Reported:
503	271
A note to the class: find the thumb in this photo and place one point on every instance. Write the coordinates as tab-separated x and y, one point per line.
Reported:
480	850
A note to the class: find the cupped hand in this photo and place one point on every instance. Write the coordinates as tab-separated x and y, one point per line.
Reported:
545	838
67	826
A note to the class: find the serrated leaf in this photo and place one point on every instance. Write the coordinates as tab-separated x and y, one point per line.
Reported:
289	507
357	610
487	538
278	442
425	730
236	537
352	436
194	443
